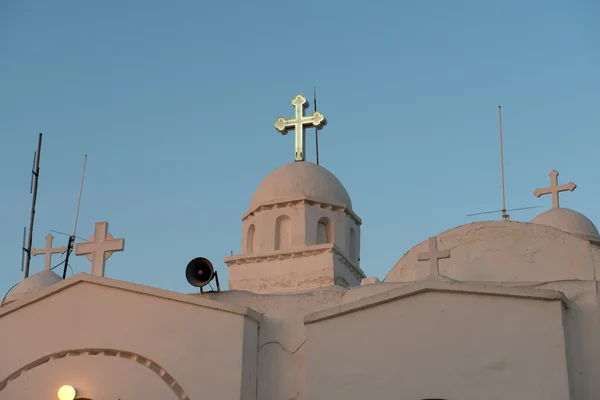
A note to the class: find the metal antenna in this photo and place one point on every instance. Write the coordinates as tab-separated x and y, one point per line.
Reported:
33	173
505	216
24	249
316	129
64	234
497	211
35	177
72	237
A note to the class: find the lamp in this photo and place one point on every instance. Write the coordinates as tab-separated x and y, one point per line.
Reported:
67	392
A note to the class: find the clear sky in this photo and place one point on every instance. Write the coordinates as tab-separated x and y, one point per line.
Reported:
174	104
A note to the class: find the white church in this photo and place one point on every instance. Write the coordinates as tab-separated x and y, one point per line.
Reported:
495	310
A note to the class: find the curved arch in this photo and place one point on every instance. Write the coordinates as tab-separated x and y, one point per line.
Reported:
250	239
324	231
283	233
154	367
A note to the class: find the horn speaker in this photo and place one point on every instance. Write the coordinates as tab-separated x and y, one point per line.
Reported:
199	272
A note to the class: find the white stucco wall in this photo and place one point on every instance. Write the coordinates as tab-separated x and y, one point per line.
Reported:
282	367
503	252
203	348
304	216
441	345
288	271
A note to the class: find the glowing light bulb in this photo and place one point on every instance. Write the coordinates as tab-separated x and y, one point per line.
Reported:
67	392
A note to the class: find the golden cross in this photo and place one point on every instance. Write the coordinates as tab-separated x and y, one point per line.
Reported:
298	124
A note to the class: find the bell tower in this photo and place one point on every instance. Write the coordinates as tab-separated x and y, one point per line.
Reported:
300	231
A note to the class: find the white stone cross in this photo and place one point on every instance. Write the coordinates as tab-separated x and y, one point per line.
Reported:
48	251
99	247
433	256
554	188
298	124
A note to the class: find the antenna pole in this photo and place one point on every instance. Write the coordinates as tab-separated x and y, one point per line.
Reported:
80	193
505	216
36	175
72	238
316	129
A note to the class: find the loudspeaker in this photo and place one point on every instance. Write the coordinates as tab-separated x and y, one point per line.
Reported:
199	272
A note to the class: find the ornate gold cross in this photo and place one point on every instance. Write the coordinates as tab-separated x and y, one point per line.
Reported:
299	124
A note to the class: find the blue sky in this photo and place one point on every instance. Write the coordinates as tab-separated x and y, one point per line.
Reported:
174	104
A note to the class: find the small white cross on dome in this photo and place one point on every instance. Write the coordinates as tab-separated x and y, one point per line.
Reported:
433	256
554	188
48	251
99	247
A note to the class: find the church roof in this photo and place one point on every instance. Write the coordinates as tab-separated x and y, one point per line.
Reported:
300	180
567	220
82	278
412	289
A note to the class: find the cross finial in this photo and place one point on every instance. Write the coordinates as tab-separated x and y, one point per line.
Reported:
554	188
433	256
48	251
298	124
99	247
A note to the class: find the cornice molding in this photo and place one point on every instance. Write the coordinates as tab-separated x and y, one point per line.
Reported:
296	253
310	201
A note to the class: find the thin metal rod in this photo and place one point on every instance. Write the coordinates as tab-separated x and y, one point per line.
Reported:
69	249
504	215
80	193
24	249
217	281
72	237
32	174
316	129
36	176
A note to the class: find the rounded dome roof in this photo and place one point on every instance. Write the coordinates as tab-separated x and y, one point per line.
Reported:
300	180
33	283
567	220
36	282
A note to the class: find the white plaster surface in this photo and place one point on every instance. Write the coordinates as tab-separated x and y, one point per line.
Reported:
380	330
290	271
207	348
567	220
441	345
502	252
299	180
32	284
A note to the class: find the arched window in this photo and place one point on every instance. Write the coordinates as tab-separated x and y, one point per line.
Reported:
250	240
283	233
353	245
324	231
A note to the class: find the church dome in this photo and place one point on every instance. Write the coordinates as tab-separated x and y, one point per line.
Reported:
300	180
34	283
567	220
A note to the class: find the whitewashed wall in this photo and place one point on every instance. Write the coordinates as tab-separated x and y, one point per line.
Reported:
143	345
